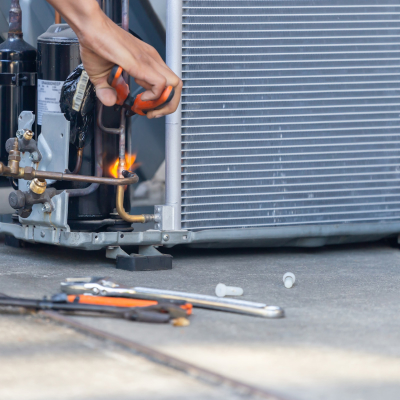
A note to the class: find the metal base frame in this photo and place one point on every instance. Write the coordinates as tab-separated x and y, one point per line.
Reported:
299	236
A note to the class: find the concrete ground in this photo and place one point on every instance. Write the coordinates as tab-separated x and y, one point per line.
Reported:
340	339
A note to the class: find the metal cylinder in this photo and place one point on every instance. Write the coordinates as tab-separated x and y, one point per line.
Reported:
17	78
58	55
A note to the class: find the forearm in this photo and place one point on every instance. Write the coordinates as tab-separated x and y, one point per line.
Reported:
78	13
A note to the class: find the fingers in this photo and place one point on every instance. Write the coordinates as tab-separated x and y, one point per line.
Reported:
171	106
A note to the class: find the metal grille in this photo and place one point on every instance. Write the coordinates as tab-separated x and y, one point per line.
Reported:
290	112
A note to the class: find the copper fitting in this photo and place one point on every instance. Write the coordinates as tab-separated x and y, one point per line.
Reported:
141	219
38	186
14	158
28	135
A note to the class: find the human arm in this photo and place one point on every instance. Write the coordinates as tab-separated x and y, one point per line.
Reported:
103	44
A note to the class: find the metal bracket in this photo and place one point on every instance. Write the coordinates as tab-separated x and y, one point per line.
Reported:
164	218
113	252
26	120
57	218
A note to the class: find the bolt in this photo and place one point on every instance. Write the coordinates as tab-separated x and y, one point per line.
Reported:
165	238
46	208
95	290
42	234
157	226
34	156
20	133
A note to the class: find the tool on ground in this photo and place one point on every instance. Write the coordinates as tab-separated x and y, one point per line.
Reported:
159	313
106	287
135	105
289	279
222	290
123	302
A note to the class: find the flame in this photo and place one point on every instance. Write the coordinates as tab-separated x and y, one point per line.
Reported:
130	165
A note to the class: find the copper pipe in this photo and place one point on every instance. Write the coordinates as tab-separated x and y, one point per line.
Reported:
58	176
79	158
114	131
141	219
29	173
98	159
57	18
15	18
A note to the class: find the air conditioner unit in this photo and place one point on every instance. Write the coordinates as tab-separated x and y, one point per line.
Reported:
287	134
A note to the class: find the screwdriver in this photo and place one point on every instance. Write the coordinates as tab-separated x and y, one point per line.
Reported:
135	105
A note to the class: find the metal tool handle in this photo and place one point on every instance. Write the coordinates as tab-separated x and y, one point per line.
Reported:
215	303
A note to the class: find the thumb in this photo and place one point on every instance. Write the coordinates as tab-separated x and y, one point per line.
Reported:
105	93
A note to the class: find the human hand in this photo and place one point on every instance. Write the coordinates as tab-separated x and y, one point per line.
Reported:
104	44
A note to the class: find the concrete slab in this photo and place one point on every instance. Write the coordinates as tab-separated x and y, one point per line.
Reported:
340	339
45	361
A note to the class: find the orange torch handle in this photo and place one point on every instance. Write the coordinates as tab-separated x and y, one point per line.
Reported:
142	107
137	106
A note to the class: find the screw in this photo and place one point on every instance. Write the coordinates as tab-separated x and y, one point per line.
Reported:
165	238
42	234
46	208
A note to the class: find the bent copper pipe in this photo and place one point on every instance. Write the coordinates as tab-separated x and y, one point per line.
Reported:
114	131
79	158
141	219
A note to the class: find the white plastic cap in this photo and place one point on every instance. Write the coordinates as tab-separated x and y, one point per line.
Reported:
289	279
222	290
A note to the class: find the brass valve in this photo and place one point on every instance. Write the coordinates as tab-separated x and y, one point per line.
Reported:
38	186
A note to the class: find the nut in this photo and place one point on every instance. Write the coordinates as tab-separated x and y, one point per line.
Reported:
37	186
28	135
20	133
29	173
